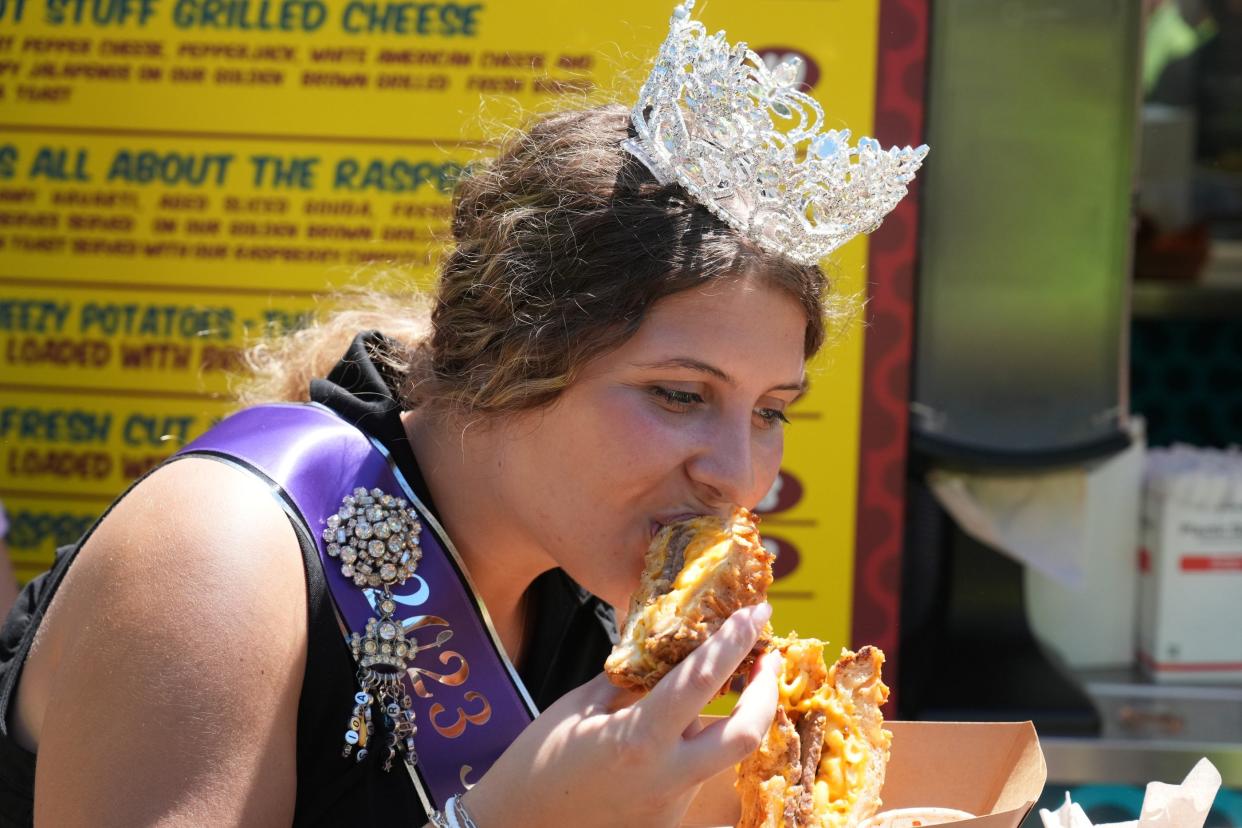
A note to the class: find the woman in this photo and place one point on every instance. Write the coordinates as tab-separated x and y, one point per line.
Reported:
605	355
637	370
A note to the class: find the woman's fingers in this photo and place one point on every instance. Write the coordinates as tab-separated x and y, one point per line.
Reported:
728	741
601	696
679	696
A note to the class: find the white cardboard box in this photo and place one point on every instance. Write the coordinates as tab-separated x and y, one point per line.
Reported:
1190	566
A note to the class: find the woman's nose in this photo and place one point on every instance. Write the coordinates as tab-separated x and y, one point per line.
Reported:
722	469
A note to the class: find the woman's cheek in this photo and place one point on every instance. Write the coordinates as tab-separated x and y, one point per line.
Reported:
768	455
646	425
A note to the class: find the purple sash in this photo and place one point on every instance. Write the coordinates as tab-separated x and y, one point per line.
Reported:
469	703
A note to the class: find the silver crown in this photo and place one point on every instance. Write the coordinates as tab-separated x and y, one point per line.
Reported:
704	119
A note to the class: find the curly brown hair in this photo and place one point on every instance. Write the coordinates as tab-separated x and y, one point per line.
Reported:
561	245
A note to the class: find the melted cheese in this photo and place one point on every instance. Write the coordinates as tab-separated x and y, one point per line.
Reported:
843	761
707	551
804	672
806	685
703	556
790	690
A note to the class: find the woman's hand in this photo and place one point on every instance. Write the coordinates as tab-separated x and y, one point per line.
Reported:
602	756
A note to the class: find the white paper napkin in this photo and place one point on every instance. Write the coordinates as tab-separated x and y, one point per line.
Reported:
1164	806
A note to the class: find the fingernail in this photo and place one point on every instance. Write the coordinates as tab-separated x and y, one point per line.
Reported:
762	613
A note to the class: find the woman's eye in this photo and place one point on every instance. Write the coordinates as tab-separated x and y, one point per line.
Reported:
771	416
681	400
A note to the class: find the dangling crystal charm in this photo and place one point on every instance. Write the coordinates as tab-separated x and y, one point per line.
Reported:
382	654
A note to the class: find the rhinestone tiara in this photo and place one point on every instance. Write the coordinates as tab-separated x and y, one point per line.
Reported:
705	119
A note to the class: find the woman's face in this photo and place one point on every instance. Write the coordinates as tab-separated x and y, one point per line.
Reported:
685	418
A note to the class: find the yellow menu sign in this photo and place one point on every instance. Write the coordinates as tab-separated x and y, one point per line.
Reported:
177	176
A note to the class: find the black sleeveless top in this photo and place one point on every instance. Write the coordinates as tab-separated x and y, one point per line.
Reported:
571	635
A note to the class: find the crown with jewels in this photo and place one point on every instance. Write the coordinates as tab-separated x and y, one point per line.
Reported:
704	119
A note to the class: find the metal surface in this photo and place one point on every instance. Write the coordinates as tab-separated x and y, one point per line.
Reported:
1024	274
1151	731
1169	712
1130	762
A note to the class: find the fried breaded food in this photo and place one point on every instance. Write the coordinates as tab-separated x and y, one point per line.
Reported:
822	763
697	573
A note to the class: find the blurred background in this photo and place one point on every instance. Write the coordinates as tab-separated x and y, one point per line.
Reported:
1017	470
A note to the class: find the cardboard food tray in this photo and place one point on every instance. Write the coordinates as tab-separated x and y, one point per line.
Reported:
994	769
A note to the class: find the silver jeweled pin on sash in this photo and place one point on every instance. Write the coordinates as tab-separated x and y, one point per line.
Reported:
375	537
468	716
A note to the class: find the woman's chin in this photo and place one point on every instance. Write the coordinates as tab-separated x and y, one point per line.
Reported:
618	597
619	601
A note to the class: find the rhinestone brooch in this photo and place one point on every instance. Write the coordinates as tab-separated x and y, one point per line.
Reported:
375	537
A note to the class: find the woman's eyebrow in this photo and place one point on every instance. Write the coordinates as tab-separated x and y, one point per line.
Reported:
691	364
703	367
